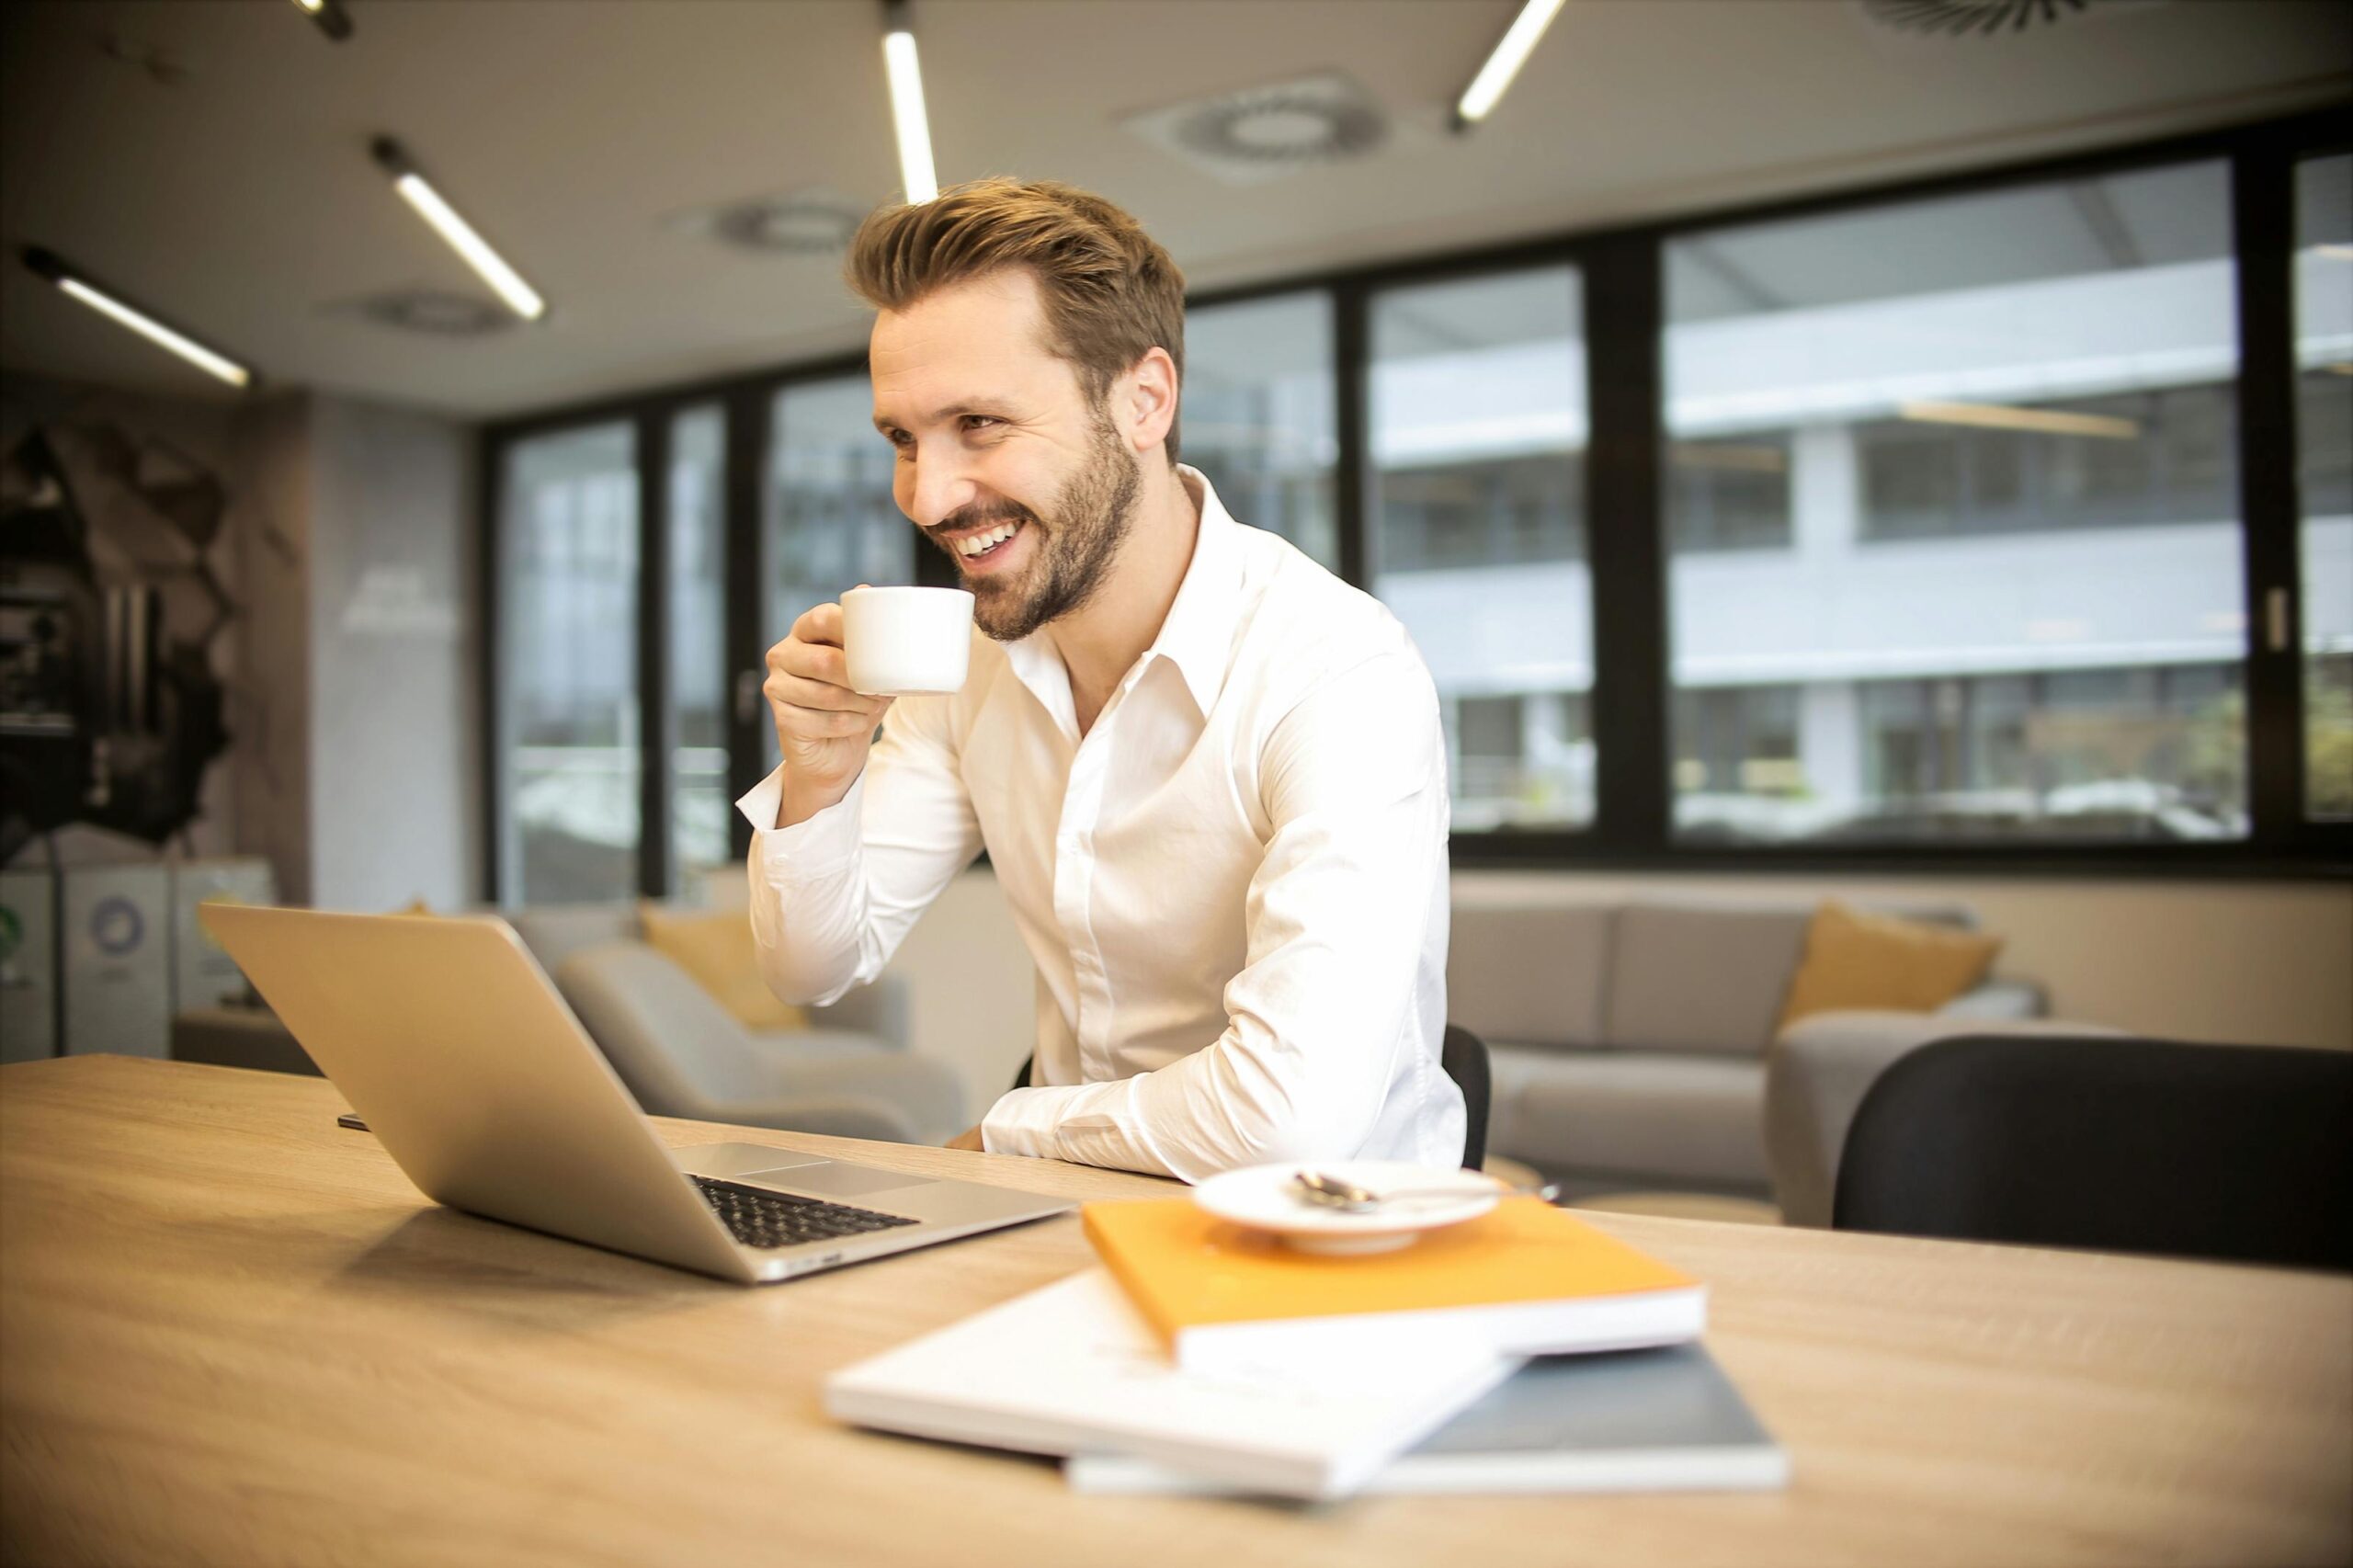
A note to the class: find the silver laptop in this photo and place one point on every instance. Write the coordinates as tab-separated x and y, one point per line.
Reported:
451	1044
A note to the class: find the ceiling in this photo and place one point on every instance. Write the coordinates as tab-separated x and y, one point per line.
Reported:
209	157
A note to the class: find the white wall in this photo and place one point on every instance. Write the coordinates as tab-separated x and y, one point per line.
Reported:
2253	964
975	997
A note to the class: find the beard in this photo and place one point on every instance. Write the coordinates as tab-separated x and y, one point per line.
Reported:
1071	554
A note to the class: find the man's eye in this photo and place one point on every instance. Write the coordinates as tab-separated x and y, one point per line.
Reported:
975	421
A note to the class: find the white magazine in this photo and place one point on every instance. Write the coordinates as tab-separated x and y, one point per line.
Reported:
1074	1368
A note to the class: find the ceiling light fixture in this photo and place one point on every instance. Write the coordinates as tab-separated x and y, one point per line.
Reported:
917	174
333	19
418	192
2001	416
107	302
1487	89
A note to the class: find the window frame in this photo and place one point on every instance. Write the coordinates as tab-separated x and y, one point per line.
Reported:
1622	288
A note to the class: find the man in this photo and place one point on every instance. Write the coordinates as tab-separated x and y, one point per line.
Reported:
1208	775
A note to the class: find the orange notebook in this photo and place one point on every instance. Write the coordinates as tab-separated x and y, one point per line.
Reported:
1526	1278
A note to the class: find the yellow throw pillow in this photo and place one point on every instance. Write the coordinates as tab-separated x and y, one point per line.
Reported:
1853	960
716	949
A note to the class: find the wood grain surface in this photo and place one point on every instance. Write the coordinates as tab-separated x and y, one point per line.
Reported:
231	1333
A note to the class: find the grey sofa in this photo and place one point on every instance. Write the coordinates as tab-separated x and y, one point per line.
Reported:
680	1052
1629	1038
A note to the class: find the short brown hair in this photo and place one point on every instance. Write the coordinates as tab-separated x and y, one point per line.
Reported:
1110	293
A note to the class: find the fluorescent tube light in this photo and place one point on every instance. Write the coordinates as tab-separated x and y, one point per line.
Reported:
917	174
1487	89
333	19
2001	416
115	308
430	204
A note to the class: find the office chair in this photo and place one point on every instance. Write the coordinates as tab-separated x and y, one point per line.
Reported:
1464	1057
2227	1152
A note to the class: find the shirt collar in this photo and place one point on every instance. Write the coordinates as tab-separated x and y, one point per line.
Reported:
1197	636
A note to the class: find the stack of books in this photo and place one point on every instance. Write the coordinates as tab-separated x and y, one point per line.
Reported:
1521	1351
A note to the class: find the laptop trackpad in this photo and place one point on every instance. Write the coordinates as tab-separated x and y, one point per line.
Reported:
836	1180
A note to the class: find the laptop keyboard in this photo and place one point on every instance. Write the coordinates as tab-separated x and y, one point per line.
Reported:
758	1217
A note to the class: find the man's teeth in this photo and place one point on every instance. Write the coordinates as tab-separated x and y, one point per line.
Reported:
989	540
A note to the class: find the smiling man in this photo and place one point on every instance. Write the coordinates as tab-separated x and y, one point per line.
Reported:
1210	775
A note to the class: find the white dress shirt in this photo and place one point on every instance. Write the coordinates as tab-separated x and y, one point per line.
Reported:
1234	885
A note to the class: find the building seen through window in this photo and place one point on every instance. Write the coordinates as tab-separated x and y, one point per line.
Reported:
1952	508
1258	415
1478	435
2324	357
698	664
569	587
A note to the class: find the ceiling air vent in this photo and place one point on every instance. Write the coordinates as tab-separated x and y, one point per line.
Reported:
807	223
1264	133
1955	17
434	312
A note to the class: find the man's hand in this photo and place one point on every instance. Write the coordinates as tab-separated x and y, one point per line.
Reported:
968	1141
823	727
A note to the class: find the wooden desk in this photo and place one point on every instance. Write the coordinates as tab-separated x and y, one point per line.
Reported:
231	1333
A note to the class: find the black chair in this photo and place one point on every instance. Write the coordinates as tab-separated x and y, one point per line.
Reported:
1464	1057
2230	1152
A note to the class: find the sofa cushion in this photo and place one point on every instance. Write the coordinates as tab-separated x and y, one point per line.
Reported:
716	947
1858	960
1701	977
1642	1115
1530	975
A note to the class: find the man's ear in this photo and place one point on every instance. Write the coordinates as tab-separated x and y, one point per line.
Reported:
1144	400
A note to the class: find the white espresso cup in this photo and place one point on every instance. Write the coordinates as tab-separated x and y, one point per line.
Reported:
906	639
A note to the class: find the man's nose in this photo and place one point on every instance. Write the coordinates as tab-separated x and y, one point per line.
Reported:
943	484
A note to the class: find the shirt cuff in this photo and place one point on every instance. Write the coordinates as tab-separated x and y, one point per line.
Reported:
825	842
1022	1122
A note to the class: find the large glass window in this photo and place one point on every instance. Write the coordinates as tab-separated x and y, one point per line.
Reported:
697	740
1478	432
1258	417
1953	519
2323	271
829	522
568	694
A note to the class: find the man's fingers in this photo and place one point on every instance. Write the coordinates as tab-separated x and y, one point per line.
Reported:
821	623
782	686
810	661
824	723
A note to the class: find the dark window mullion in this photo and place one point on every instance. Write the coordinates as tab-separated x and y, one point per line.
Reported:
2262	222
747	457
491	523
1625	325
1352	490
656	714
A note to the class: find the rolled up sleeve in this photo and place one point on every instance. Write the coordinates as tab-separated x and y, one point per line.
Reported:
833	896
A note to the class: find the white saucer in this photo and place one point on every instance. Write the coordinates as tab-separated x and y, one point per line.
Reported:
1263	1198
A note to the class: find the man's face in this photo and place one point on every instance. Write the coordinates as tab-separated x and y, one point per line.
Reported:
1003	461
